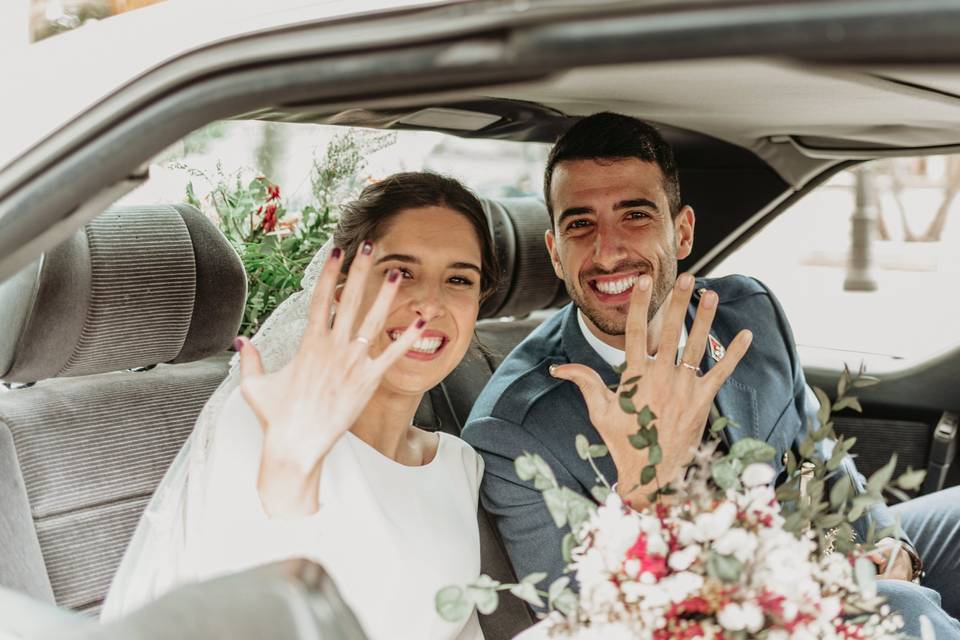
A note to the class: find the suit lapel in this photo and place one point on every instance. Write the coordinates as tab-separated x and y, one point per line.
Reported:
735	400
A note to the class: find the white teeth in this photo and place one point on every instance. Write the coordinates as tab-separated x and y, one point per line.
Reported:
616	286
423	345
427	345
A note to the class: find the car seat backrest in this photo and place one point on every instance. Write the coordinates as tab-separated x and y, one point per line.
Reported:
83	448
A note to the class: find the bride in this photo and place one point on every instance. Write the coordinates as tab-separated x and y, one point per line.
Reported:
308	449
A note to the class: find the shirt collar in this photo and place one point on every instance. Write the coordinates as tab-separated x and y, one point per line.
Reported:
611	355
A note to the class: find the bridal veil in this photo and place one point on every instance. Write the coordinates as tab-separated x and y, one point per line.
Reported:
157	558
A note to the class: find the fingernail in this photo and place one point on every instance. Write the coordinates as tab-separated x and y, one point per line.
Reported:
237	344
552	368
749	336
367	248
709	300
421	323
644	282
685	282
336	253
393	275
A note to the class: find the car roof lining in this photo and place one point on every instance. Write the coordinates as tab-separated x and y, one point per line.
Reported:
798	117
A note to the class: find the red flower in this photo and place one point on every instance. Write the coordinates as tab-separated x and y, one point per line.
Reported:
656	565
273	192
269	218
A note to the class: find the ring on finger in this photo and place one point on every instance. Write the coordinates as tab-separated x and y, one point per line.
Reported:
692	367
364	341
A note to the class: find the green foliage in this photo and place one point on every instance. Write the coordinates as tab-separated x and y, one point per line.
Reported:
275	245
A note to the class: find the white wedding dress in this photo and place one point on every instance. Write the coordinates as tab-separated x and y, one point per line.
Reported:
389	535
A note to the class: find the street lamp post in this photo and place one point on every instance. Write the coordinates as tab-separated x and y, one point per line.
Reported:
860	268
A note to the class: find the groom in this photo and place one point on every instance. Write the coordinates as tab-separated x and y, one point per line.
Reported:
612	191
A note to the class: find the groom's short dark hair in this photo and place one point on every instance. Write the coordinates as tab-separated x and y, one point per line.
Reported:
612	136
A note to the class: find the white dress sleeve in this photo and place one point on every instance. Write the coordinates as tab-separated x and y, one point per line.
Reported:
235	532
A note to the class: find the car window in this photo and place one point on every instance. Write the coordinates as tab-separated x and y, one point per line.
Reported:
901	306
274	189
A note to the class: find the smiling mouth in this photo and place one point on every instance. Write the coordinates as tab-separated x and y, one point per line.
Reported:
427	345
614	287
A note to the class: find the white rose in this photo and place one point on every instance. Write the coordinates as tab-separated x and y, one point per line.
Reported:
682	559
736	542
752	616
731	618
757	474
710	526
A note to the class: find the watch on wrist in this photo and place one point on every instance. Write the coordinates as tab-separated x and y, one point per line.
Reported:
916	562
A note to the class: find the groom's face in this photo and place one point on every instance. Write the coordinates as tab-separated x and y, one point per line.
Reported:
611	223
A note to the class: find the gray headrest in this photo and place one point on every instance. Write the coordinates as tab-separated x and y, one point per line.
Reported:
137	286
528	282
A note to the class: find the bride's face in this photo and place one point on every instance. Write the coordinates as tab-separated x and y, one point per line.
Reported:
437	252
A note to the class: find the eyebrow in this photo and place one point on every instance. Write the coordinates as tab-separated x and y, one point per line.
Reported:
400	257
623	204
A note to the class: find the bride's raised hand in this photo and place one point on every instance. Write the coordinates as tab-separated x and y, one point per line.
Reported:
306	406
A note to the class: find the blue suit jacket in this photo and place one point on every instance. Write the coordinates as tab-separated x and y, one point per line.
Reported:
524	409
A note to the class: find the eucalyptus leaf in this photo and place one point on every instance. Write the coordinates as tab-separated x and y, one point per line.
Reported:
582	445
645	416
866	575
881	477
750	450
557	587
544	478
724	474
824	413
829	520
639	440
525	467
911	479
723	568
626	404
865	381
567	546
655	455
648	474
528	593
632	381
600	493
719	425
565	602
597	451
840	492
556	505
486	600
452	604
534	578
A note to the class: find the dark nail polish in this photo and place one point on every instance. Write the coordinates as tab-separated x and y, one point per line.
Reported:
421	323
394	274
367	248
336	253
237	344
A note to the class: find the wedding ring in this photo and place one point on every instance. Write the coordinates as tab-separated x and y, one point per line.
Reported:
363	341
650	357
694	368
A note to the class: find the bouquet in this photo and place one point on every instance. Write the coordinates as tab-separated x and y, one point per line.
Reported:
720	554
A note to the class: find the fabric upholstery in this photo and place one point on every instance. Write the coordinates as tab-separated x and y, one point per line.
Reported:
122	293
91	451
528	282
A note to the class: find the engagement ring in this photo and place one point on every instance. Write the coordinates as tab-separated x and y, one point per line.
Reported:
695	369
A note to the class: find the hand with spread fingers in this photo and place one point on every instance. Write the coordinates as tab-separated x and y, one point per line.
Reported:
677	393
306	406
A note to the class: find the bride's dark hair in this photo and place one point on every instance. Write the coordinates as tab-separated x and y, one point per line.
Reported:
366	217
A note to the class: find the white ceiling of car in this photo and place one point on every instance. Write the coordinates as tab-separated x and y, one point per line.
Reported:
744	100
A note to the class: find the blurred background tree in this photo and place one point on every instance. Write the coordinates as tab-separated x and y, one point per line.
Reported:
50	17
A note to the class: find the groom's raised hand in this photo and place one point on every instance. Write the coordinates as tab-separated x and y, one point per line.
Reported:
676	392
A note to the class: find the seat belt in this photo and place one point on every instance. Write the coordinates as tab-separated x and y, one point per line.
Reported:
943	450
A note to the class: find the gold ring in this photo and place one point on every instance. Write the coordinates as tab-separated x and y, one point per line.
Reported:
693	368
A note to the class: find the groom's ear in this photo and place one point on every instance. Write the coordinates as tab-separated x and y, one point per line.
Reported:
551	243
